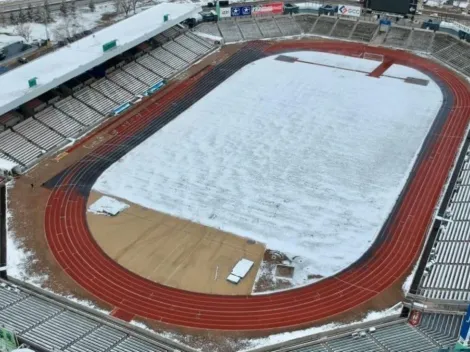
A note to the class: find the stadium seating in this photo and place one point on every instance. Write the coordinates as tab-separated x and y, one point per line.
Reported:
141	73
95	100
204	41
306	22
324	25
442	41
287	25
36	132
161	69
230	30
421	40
180	51
168	58
130	83
78	111
433	331
193	45
209	28
112	90
19	148
343	28
51	326
397	36
268	27
60	122
249	29
10	119
441	328
364	31
463	59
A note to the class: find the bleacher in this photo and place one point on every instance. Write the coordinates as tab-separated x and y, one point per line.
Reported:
343	28
193	45
78	111
434	331
324	25
54	326
442	41
17	147
60	122
268	27
249	29
95	100
306	22
397	36
131	83
38	133
209	28
10	119
230	30
287	25
421	40
168	58
180	51
112	90
143	74
364	31
157	66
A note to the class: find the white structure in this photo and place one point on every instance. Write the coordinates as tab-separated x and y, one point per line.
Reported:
60	66
240	270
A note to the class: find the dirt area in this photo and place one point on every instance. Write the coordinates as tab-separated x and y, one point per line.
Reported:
173	251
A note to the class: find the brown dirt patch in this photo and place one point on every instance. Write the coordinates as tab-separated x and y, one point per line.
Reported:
172	251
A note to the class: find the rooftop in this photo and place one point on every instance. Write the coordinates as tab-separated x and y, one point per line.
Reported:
56	68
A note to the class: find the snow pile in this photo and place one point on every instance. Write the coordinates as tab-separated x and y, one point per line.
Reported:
305	158
108	206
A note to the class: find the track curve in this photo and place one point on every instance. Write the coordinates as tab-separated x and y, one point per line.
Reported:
388	260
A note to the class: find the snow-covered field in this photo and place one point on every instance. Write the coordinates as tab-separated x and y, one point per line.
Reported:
305	158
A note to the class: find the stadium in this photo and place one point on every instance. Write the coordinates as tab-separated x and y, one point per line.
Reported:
269	180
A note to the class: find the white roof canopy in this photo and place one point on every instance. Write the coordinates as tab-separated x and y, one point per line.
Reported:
60	66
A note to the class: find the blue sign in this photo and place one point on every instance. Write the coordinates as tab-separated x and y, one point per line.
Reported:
241	11
464	331
121	108
385	22
155	87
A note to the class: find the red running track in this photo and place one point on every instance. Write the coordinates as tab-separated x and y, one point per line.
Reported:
78	254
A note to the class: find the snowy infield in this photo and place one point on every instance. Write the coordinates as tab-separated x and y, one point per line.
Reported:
307	159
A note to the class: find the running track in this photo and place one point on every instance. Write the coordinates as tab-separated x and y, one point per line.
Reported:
389	259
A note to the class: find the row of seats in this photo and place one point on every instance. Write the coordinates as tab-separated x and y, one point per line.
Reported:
447	276
270	27
434	331
87	107
54	327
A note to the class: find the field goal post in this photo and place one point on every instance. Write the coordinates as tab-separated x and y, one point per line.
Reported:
372	56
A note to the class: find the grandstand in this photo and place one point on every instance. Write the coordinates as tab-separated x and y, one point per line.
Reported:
78	95
52	323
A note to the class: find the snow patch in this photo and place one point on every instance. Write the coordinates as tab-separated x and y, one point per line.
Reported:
107	205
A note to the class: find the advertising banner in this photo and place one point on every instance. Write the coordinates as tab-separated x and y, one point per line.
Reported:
225	12
346	10
465	329
238	11
415	318
275	8
462	27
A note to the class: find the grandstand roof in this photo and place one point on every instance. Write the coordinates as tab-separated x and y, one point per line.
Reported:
56	68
